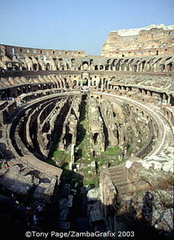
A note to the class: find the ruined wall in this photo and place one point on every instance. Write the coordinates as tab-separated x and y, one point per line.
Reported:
96	127
17	65
151	40
13	50
123	125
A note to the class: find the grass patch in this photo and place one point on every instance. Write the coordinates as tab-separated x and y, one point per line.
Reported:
112	151
110	157
59	158
83	137
91	182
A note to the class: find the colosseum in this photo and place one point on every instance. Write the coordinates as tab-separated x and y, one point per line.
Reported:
86	142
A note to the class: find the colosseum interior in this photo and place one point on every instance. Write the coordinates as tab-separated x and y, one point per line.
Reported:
86	142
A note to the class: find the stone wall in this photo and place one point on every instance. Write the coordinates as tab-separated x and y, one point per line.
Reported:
152	60
128	104
151	40
14	50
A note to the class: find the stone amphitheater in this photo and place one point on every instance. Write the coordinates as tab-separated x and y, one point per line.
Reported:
86	142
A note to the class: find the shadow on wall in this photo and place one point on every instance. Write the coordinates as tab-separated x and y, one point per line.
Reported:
20	213
132	222
26	209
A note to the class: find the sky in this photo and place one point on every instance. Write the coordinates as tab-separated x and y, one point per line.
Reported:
76	24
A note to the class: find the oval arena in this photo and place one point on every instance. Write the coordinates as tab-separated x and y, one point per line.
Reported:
86	142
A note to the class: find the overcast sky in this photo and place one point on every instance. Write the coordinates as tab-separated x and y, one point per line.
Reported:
76	24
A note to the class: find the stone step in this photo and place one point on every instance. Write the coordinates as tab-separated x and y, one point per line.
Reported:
117	168
118	172
123	173
118	178
121	183
116	175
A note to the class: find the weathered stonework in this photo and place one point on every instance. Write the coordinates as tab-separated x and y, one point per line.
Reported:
147	41
92	105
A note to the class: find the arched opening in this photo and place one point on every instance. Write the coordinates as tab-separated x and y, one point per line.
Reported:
35	66
143	65
169	67
107	67
24	90
91	61
101	67
85	65
162	67
85	82
114	114
19	91
85	62
74	83
47	66
95	138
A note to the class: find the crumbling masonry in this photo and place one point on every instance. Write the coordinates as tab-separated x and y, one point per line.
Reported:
129	97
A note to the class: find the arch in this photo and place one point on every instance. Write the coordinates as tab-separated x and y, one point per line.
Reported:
169	67
35	67
74	83
95	136
107	67
85	82
109	61
47	66
101	67
85	62
85	65
91	61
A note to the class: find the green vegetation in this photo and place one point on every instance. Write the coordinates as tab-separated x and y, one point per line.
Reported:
135	142
89	165
84	149
110	157
94	182
83	137
90	175
112	151
60	158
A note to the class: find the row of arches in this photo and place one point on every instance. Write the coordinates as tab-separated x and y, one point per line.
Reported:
33	63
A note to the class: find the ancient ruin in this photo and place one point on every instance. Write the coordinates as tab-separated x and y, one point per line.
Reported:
86	142
149	41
